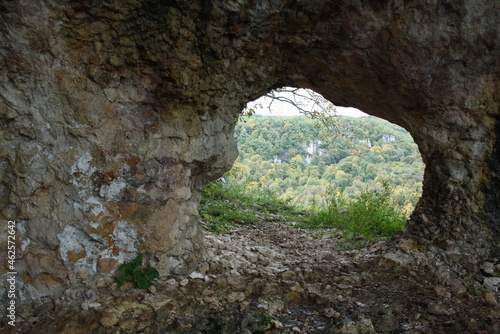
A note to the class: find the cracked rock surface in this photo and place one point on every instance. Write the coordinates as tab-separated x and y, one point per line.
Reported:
115	114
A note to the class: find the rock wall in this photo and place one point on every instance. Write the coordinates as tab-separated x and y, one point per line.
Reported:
114	115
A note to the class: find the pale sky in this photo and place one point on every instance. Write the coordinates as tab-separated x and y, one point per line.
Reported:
279	108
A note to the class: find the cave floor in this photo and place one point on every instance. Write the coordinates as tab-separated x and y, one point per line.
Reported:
271	277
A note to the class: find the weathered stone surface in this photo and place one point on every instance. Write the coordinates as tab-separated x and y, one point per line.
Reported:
114	114
348	295
364	326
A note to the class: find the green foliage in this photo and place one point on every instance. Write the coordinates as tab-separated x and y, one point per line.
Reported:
287	166
257	322
225	203
372	214
293	159
262	319
133	271
215	324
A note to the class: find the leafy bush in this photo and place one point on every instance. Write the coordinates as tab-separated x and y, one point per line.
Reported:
134	272
372	214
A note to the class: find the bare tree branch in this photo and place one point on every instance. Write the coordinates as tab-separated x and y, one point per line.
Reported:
310	104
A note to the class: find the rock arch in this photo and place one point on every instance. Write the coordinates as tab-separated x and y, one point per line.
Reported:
115	114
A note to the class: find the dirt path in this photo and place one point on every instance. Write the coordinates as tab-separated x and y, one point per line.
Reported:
277	247
273	278
320	286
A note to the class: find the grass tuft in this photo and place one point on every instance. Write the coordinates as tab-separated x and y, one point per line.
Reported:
369	217
226	203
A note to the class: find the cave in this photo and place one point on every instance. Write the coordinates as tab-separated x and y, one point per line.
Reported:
114	115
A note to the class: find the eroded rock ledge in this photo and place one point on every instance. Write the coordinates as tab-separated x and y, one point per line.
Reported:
115	114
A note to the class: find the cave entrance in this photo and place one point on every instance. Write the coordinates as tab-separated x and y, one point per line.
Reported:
307	162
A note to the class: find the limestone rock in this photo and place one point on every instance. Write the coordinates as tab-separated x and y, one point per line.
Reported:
277	324
109	320
364	326
196	275
488	268
236	297
490	298
492	283
437	308
330	313
113	116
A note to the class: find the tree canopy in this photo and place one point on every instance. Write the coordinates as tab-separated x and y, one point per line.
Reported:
297	160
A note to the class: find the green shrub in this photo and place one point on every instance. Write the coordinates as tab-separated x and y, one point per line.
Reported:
372	214
134	272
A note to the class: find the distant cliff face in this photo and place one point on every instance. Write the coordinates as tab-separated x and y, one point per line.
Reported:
113	116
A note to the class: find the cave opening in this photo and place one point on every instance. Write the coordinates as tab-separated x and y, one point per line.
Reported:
323	166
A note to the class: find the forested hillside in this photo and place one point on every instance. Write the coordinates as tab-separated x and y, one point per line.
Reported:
295	159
